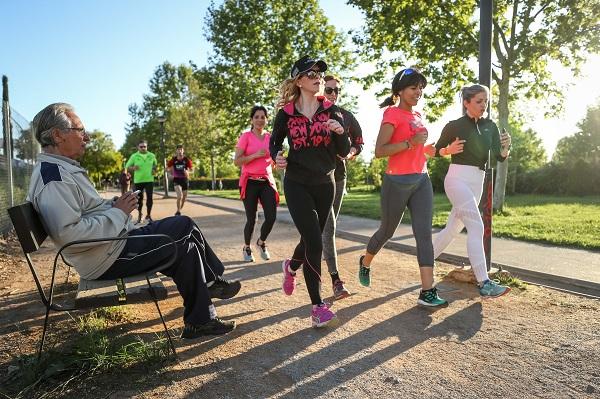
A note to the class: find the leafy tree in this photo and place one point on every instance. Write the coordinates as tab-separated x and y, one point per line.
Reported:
442	37
438	168
191	119
255	43
101	159
585	144
356	171
527	154
26	146
376	171
169	87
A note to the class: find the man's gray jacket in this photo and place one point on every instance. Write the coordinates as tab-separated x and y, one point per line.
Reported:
71	209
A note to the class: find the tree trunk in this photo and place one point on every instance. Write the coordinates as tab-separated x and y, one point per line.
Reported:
502	167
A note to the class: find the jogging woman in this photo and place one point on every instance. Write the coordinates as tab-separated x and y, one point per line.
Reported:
468	140
406	182
332	92
256	181
315	134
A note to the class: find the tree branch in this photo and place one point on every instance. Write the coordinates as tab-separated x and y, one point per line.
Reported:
542	8
500	34
513	29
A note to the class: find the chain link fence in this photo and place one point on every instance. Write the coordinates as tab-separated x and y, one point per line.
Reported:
18	153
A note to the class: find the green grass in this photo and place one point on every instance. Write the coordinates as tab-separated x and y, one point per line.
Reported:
93	349
555	220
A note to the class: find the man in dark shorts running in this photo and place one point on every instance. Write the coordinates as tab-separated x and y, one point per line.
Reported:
180	167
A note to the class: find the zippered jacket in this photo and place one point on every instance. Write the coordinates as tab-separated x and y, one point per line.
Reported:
313	148
71	209
481	136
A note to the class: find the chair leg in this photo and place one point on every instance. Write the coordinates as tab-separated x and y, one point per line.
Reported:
153	295
44	332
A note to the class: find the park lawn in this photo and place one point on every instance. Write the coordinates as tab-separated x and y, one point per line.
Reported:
555	220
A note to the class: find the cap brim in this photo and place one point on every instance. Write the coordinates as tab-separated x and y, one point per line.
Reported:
320	64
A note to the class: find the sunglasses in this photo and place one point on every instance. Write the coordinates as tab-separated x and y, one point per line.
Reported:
313	74
407	71
330	90
78	129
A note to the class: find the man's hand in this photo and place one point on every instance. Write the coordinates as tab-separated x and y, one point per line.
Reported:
126	202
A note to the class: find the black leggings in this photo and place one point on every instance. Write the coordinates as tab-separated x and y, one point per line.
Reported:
195	266
149	188
255	190
309	207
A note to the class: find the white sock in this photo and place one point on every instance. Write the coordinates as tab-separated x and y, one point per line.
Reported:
212	311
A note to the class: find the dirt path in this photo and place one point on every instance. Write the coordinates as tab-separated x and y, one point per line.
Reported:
532	343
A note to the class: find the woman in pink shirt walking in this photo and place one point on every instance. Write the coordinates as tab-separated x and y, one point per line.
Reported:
406	183
256	181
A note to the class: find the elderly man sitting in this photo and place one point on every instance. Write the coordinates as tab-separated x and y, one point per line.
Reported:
71	209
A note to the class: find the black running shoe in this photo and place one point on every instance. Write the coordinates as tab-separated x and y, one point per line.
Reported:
224	289
215	326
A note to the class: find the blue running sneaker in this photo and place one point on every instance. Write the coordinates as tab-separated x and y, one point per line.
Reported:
431	298
364	273
491	289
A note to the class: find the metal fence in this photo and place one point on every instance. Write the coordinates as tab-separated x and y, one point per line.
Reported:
18	153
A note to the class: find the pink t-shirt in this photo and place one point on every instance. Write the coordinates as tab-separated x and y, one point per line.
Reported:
406	125
250	144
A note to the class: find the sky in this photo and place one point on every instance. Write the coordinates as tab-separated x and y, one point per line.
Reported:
100	55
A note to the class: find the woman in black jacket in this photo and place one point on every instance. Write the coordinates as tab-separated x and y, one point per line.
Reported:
314	128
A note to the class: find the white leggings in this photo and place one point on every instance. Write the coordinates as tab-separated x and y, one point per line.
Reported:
464	185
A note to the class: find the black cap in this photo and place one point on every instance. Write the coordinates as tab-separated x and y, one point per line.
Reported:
305	64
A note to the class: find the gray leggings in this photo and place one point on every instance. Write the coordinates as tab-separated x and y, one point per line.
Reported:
328	236
395	197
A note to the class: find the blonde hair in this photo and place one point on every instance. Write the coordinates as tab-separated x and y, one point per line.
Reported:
288	92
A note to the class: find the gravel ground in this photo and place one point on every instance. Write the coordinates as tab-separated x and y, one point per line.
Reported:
531	343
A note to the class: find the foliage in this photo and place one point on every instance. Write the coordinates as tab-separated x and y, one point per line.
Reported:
191	119
505	278
101	159
89	352
26	146
356	171
527	154
583	145
442	38
376	171
255	43
574	167
578	178
438	167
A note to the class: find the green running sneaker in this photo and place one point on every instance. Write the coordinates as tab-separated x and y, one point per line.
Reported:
364	273
491	289
431	298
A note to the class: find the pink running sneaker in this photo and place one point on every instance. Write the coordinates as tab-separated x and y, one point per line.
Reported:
321	315
289	279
